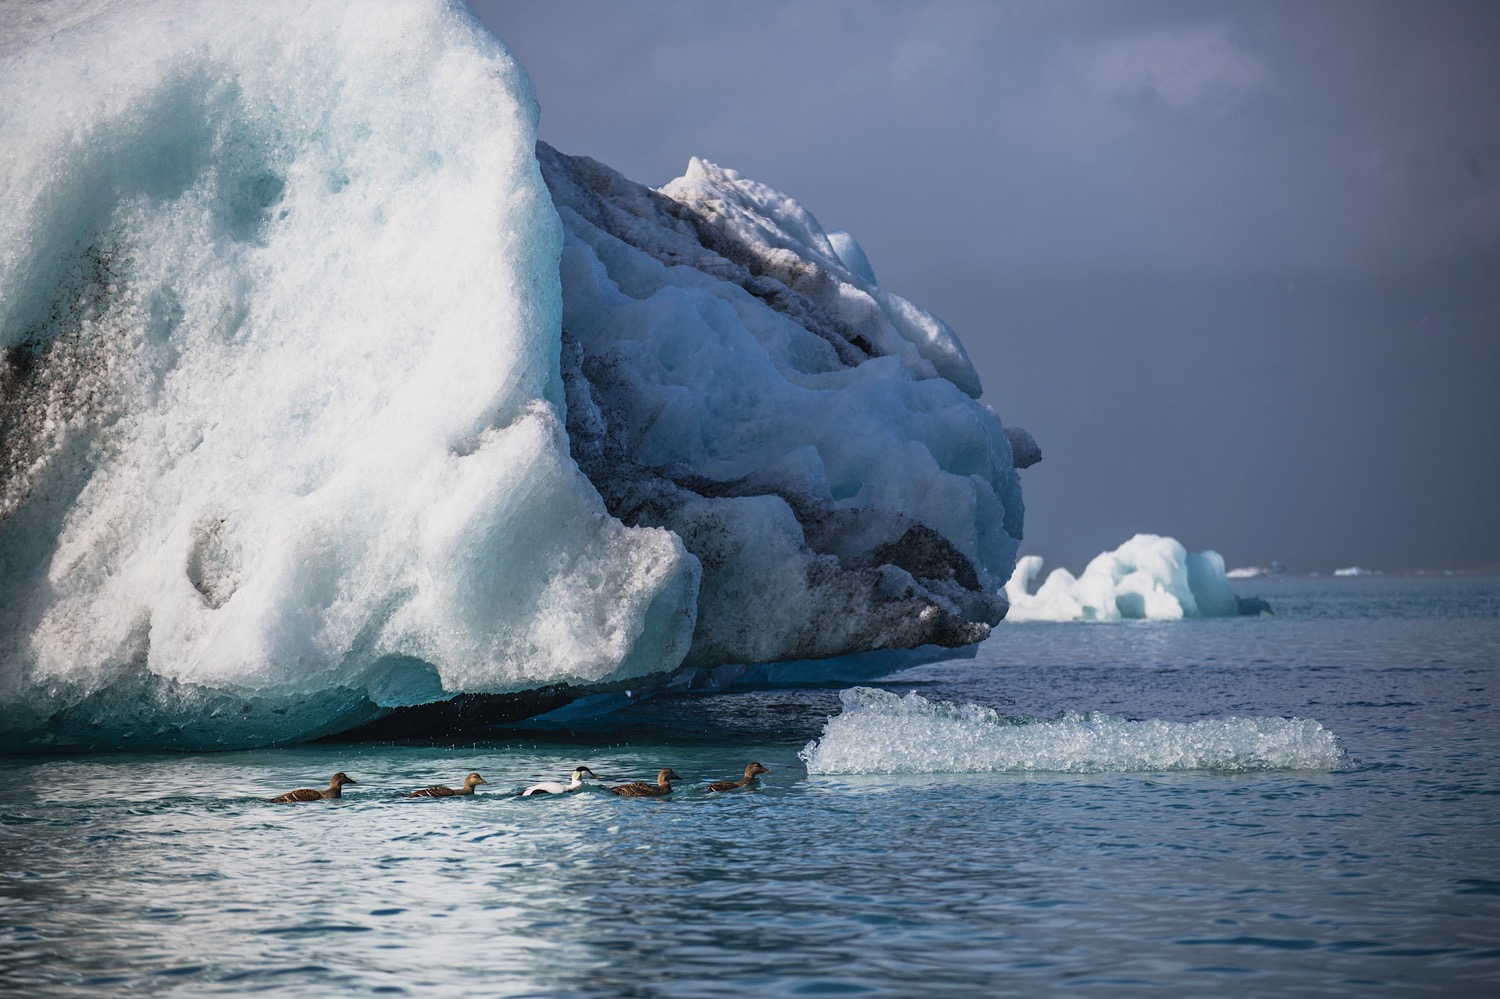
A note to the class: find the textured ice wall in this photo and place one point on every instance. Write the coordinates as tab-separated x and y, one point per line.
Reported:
810	437
281	432
1148	577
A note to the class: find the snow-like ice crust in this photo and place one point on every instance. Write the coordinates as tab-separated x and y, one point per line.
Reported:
1148	577
792	247
310	408
879	732
282	407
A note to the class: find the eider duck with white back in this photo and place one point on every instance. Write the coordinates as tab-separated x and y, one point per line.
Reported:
752	772
444	791
335	789
558	787
640	789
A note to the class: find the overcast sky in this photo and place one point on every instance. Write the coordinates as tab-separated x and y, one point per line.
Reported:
1236	266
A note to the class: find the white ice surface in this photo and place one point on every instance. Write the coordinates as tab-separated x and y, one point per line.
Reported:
290	275
798	253
1148	577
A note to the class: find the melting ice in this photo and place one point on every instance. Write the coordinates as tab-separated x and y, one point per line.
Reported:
321	395
881	732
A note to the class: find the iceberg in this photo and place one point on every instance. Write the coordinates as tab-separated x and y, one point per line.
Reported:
1256	571
1147	578
326	392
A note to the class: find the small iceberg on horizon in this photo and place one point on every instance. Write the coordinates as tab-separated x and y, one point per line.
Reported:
1256	571
1149	577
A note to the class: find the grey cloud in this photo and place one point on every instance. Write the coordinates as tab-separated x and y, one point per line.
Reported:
1185	68
1109	201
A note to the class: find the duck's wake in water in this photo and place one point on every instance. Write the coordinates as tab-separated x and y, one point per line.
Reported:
881	732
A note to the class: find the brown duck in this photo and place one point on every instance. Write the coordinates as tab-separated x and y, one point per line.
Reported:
640	789
753	771
335	789
443	791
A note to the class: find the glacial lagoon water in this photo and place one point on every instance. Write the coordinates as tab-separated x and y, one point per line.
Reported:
1111	809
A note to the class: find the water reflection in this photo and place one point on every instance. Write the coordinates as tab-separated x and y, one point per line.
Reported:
173	875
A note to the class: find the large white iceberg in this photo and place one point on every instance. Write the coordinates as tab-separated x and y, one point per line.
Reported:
1147	578
282	405
310	408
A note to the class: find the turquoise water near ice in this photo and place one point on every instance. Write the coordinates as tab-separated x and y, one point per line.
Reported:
1101	813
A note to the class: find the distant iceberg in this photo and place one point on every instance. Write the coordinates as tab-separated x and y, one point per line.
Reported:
1147	578
1355	570
1256	571
326	392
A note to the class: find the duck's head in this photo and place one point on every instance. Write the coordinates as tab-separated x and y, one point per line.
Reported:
579	772
474	779
667	774
340	779
756	768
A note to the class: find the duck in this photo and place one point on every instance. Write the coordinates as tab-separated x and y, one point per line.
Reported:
444	791
640	789
335	789
752	771
558	787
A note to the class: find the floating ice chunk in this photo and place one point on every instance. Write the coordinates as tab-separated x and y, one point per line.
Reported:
1148	577
1355	570
882	733
282	429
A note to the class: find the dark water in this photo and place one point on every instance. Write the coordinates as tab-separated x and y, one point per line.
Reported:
1125	818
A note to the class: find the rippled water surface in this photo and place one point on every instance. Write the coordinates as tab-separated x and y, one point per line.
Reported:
1159	844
